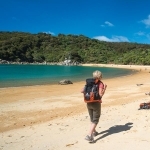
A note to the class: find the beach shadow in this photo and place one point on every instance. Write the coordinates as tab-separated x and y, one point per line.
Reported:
115	129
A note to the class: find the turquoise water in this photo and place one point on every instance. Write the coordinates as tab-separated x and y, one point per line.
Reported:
26	75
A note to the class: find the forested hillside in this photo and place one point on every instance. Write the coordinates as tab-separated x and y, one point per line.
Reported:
41	47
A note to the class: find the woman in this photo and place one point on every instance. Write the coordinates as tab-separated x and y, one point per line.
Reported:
94	108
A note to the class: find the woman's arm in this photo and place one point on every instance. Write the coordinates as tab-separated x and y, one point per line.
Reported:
102	90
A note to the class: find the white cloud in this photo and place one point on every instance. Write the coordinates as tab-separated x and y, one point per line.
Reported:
109	24
102	25
140	33
113	39
49	32
146	21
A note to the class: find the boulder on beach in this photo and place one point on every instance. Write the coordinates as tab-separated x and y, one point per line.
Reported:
65	82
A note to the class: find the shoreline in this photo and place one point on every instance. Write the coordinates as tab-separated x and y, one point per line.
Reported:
136	67
130	67
39	117
48	81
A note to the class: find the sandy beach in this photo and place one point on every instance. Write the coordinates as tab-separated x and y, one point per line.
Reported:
54	117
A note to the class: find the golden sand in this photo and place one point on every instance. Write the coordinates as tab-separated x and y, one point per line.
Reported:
55	117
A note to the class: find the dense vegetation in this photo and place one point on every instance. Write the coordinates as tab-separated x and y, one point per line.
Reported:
27	47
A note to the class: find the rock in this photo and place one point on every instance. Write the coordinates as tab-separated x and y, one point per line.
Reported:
139	84
64	82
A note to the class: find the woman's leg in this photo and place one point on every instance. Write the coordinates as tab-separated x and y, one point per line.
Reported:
92	129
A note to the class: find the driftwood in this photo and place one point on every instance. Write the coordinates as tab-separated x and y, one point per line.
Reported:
147	93
139	84
65	82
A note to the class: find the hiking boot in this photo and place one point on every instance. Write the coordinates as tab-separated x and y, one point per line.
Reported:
89	138
95	134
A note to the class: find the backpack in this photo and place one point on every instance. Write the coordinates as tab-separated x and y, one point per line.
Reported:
91	91
145	105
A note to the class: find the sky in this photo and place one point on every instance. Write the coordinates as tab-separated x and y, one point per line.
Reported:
105	20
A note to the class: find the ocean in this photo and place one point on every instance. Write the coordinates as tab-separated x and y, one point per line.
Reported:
28	75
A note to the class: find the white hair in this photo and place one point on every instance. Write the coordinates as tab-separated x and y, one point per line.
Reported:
97	74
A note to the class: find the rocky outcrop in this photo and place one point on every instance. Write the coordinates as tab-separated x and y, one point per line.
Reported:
38	63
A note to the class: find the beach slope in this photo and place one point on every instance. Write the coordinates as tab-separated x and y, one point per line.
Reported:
54	117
